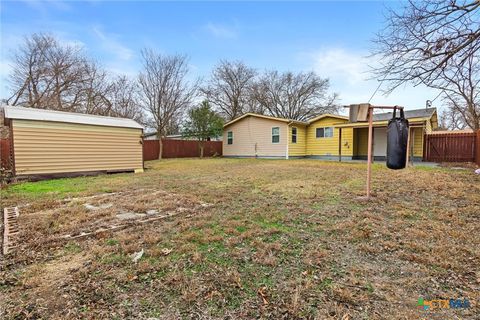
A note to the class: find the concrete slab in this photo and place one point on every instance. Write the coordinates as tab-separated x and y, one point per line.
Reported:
129	215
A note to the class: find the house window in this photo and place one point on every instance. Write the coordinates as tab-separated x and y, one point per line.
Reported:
275	134
294	135
230	137
326	132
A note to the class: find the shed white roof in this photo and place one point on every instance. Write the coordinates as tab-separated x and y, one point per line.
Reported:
12	112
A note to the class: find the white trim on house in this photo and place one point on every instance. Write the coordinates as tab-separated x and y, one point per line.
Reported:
286	154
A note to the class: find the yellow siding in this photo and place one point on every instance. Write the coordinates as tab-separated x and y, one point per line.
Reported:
417	138
44	147
361	141
428	127
252	136
329	146
297	149
433	122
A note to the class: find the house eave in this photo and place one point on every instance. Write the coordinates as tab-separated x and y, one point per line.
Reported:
288	121
379	123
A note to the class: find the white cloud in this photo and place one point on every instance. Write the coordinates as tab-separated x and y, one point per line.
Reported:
338	62
220	31
110	44
348	72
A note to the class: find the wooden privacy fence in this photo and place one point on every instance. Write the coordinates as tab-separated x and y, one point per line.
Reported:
180	149
478	147
452	147
5	153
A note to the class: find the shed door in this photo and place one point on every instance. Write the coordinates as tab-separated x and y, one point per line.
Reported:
380	142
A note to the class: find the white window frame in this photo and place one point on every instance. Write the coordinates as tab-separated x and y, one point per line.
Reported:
276	135
324	130
295	135
229	138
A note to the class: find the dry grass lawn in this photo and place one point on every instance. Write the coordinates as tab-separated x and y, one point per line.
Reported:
246	239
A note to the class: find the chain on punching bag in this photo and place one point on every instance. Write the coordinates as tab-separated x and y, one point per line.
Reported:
397	140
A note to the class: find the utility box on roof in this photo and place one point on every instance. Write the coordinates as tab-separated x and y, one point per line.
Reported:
45	142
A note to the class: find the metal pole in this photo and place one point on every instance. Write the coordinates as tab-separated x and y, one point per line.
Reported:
369	160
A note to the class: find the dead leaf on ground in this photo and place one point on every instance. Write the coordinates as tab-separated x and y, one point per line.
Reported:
263	295
166	251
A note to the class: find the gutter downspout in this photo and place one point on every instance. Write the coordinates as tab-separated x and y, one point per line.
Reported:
288	139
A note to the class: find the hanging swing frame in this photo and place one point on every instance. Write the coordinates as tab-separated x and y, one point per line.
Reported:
371	108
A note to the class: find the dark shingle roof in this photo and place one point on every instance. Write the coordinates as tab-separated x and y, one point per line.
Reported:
419	113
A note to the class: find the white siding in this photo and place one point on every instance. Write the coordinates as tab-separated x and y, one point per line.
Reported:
252	136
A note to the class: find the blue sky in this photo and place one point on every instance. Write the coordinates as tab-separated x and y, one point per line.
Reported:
331	38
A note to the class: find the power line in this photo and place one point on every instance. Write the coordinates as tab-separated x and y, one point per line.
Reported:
438	95
378	87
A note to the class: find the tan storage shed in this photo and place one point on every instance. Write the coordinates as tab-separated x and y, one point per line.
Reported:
46	142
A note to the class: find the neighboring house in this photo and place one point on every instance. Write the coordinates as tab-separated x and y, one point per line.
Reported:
326	136
150	136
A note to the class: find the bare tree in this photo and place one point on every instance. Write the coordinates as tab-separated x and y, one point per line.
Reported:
165	92
451	120
94	91
123	99
228	89
426	37
50	75
435	43
461	88
47	74
294	96
253	104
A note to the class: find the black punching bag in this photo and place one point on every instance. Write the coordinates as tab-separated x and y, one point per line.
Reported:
397	138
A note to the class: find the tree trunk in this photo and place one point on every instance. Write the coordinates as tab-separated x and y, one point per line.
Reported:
201	148
160	148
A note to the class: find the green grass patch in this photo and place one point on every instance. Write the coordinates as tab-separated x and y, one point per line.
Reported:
72	247
325	284
111	242
370	287
270	224
58	186
241	229
115	259
215	252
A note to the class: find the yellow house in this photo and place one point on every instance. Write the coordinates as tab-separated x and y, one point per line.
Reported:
326	136
421	121
323	138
